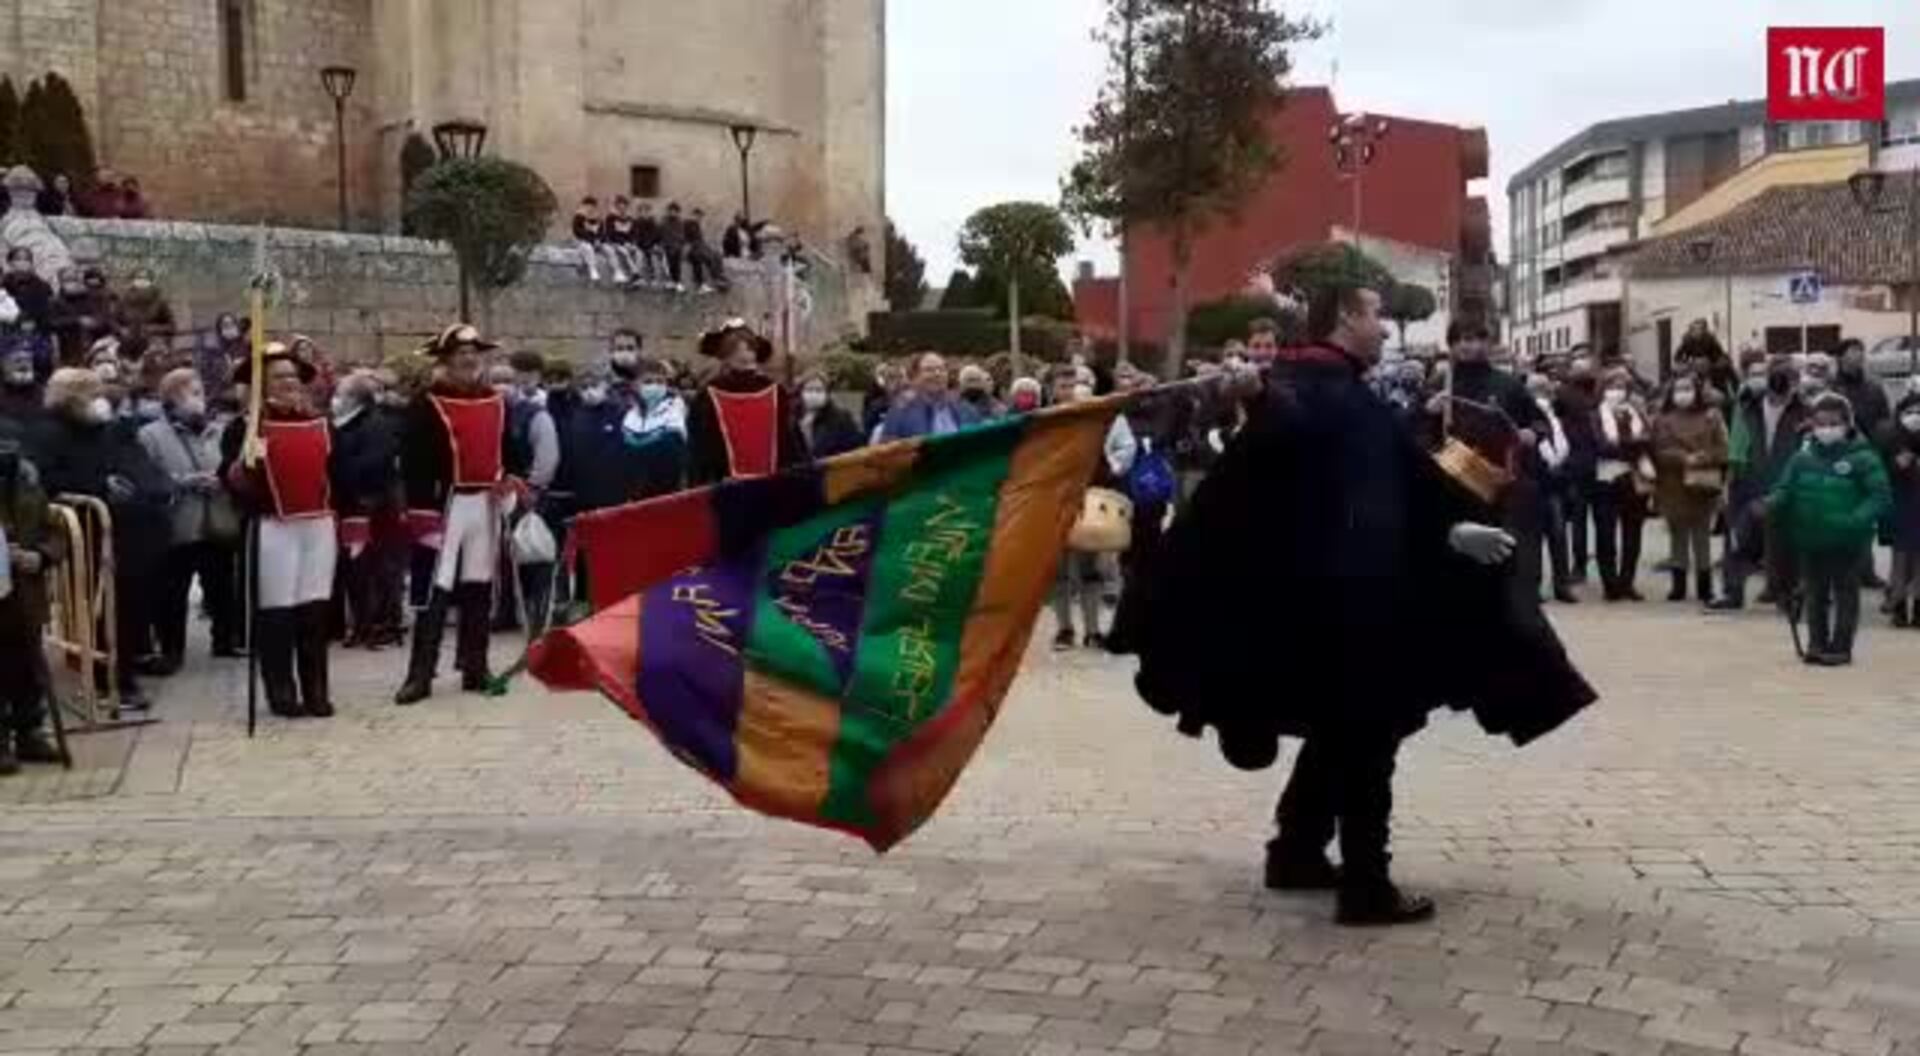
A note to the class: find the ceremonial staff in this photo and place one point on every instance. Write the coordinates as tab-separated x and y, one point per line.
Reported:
258	289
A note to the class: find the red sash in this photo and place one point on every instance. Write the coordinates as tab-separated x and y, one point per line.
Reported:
296	467
750	427
475	428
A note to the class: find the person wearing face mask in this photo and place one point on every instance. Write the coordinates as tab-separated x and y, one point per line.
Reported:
452	464
1690	459
1767	429
216	354
828	428
289	487
365	459
143	318
72	317
85	454
1899	444
742	424
889	386
1869	398
1023	396
654	431
623	358
22	408
976	391
1619	504
32	550
533	456
205	537
1547	462
32	293
1828	504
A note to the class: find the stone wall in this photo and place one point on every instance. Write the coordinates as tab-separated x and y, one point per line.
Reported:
365	296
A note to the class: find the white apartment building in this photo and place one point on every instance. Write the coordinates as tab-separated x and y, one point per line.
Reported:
1613	183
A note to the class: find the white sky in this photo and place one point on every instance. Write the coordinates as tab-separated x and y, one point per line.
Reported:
983	94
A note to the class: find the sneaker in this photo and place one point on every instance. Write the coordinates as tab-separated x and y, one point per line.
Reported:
1063	640
1724	604
1301	872
1380	904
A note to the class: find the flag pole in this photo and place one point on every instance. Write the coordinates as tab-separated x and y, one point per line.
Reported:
250	457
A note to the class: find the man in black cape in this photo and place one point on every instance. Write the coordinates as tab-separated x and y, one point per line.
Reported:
1328	582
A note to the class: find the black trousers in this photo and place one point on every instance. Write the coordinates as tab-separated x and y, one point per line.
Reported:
213	564
1342	784
1576	508
1553	537
23	692
1832	583
1619	517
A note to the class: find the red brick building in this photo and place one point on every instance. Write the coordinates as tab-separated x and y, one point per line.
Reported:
1416	192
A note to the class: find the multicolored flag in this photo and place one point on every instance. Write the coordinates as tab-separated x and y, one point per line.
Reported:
831	644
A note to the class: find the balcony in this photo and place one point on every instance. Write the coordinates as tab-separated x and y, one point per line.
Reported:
1582	291
1593	241
1588	193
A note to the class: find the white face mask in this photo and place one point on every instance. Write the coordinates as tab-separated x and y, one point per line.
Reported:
1910	422
652	392
100	410
193	407
1615	397
1830	434
593	395
813	399
1083	392
1685	398
108	372
344	406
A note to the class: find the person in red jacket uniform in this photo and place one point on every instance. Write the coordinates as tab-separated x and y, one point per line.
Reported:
743	423
291	492
452	464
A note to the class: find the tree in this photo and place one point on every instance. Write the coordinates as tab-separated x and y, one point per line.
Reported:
416	157
959	291
1409	303
1214	323
906	284
1178	135
53	136
1042	293
1313	267
492	213
9	122
1019	244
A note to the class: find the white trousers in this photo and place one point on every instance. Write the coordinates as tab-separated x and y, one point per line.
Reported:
296	561
470	541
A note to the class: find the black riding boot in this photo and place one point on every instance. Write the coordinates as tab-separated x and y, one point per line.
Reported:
311	656
429	626
1703	585
475	601
1679	591
275	629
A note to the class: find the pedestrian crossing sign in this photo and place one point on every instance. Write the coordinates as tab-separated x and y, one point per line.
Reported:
1804	287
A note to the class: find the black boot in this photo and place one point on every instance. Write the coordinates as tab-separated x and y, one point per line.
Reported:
429	626
1374	902
310	653
476	625
275	630
1292	868
8	764
1703	586
32	746
1679	591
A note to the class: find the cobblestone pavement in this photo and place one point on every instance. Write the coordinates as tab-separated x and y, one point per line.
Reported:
1724	856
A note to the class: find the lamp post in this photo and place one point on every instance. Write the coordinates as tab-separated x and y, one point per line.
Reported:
460	139
743	139
1701	250
338	81
1356	138
1869	189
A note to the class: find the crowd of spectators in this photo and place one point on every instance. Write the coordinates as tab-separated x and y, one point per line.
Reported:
107	195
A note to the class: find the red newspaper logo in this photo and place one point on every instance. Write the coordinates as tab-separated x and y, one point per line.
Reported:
1826	73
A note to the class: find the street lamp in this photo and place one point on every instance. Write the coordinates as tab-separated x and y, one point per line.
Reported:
459	139
338	81
1701	249
743	137
1869	188
1356	138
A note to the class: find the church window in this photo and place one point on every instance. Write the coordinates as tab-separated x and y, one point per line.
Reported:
643	181
234	25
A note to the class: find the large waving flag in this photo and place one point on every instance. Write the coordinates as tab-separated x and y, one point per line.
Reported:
831	644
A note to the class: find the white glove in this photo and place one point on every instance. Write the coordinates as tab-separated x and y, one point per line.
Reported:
1480	544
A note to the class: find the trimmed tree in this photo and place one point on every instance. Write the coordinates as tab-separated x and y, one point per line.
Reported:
53	136
492	212
1016	245
906	284
1313	267
9	122
959	292
1178	135
1409	303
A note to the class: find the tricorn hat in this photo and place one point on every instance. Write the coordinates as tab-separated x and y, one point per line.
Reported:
275	352
455	337
714	343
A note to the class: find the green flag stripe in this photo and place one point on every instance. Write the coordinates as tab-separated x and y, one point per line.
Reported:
932	547
794	637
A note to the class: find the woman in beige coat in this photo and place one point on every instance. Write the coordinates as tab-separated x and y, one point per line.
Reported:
1690	461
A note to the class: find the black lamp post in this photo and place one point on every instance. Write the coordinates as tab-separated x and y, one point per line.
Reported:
1869	188
460	139
338	81
1356	139
743	137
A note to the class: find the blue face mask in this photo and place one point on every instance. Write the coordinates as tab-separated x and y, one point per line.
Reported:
653	392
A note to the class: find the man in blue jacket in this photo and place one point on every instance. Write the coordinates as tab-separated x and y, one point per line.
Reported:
930	409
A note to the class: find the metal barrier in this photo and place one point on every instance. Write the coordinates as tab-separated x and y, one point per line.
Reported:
81	628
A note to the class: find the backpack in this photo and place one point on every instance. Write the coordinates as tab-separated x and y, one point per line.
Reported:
1150	482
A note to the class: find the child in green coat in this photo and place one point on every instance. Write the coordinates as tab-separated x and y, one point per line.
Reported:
1828	504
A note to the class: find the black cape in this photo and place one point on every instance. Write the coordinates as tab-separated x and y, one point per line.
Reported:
1309	585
